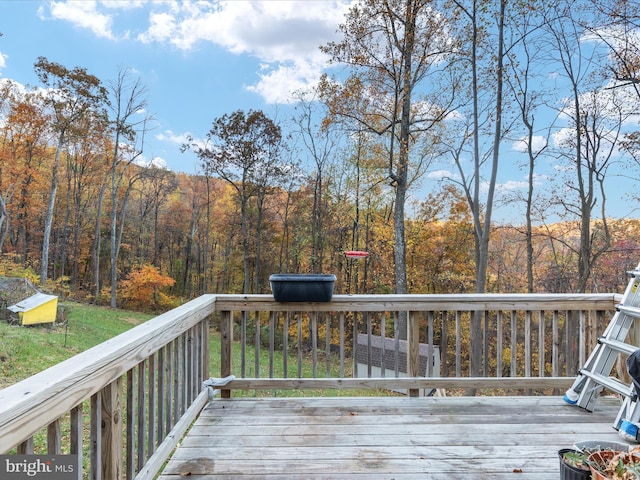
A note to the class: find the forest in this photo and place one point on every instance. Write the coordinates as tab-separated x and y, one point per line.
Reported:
422	96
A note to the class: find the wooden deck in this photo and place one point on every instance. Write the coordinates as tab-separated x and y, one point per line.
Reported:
386	438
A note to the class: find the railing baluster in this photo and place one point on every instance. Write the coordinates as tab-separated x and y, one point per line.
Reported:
430	350
184	374
367	320
204	356
75	437
285	344
226	338
396	345
568	350
161	393
354	342
458	345
243	345
131	424
314	343
341	327
541	345
272	342
168	366
582	348
257	346
151	442
514	344
111	430
140	414
383	346
444	340
54	438
555	346
485	338
527	344
176	381
26	447
413	349
499	334
95	469
299	316
327	343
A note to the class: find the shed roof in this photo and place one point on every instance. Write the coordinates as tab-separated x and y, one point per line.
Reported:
32	302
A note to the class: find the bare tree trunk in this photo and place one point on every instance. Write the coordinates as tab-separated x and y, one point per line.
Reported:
97	243
3	222
48	221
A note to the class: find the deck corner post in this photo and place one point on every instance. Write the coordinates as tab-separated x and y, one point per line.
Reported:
226	337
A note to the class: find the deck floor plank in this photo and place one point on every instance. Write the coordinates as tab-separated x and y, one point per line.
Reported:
386	438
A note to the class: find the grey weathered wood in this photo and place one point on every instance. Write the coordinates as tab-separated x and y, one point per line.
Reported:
95	452
54	438
385	303
394	437
226	338
130	456
401	383
111	430
157	460
75	437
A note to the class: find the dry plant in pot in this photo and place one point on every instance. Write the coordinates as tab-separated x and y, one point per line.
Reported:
614	465
574	465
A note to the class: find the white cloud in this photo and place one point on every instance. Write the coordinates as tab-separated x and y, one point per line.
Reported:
3	59
83	14
538	143
279	84
157	162
511	185
175	138
442	174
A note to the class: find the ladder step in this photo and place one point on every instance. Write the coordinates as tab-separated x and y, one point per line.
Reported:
617	345
631	311
609	383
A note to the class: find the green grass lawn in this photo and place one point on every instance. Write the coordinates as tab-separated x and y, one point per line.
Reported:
27	350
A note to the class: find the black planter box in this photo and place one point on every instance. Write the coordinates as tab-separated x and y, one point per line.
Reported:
302	287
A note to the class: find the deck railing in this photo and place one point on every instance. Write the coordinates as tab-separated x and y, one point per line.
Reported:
529	341
125	404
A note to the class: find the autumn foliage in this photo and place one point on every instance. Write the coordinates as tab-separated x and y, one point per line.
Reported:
143	288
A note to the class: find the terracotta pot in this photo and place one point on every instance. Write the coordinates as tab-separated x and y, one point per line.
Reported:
601	458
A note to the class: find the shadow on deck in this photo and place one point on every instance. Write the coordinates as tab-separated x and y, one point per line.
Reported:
386	438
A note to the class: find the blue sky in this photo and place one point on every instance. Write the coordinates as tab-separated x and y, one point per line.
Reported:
199	60
202	59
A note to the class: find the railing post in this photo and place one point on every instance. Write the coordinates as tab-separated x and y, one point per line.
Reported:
226	337
112	431
205	353
413	350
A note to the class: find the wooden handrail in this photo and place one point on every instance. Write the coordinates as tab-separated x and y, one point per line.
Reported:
466	302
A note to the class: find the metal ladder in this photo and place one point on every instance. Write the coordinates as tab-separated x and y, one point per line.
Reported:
594	375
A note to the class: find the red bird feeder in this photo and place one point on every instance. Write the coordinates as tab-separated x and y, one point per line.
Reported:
356	254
